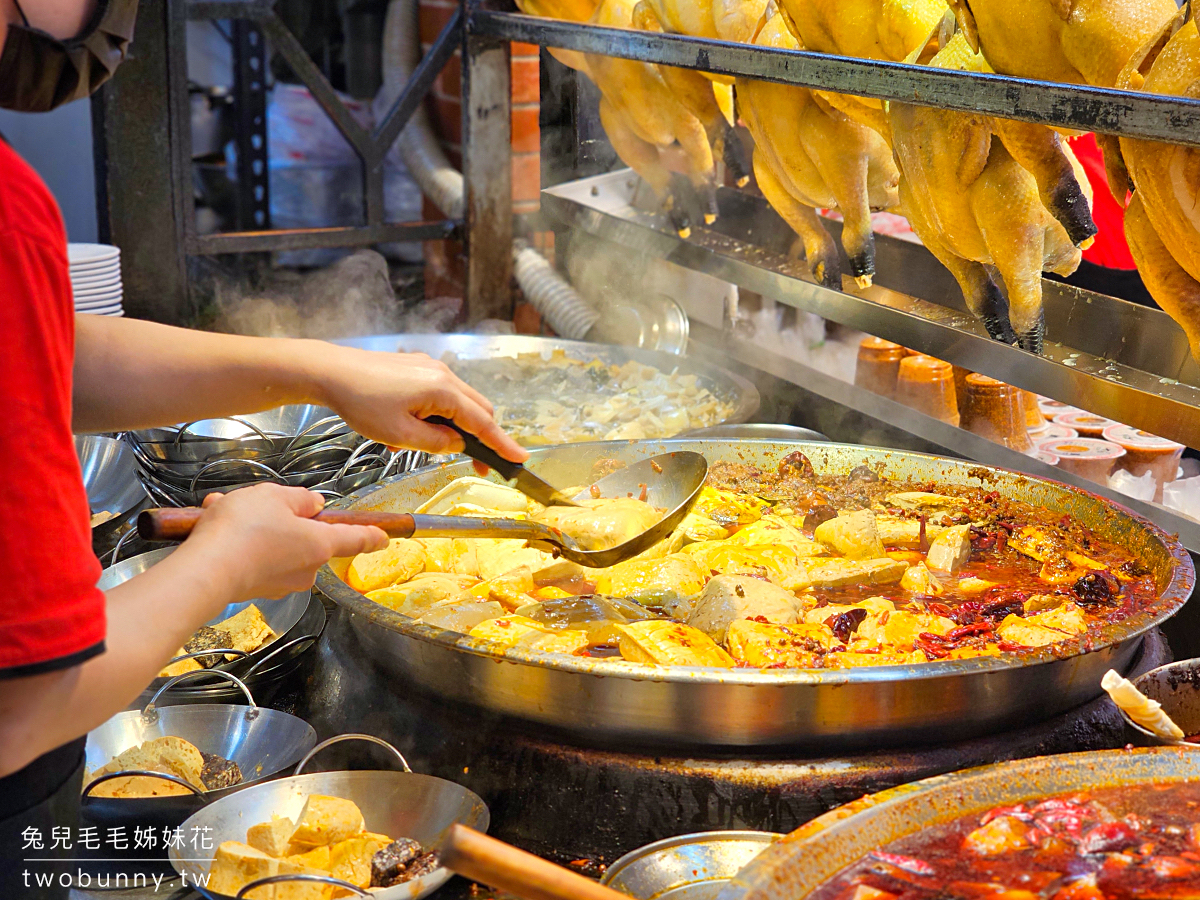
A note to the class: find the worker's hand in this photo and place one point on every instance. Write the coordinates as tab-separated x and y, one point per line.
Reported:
262	540
386	397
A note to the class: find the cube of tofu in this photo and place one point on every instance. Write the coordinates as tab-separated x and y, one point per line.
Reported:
919	580
1067	617
904	533
316	858
998	837
852	535
439	553
897	630
774	530
496	558
236	864
727	558
510	590
476	496
423	592
696	527
873	605
1067	567
1027	633
950	550
653	582
326	820
1041	602
273	837
810	573
730	597
302	890
600	524
791	646
665	643
520	631
350	860
248	630
972	585
399	561
1035	543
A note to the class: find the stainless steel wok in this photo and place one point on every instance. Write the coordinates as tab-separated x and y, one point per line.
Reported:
281	615
110	476
795	866
398	804
263	742
721	382
600	700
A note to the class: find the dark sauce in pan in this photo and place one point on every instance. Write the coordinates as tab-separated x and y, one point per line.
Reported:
1112	844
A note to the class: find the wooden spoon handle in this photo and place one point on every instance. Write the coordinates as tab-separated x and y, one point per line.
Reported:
502	866
177	524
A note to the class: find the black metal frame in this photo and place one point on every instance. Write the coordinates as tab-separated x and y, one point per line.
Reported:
484	36
1174	119
371	146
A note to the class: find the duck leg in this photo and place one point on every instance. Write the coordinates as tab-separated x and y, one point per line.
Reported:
643	157
1040	152
819	249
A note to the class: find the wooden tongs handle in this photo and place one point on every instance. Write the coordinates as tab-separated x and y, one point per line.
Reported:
177	524
502	866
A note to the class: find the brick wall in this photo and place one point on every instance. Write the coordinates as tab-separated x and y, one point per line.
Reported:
443	262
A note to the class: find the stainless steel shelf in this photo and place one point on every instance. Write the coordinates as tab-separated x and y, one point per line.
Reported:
724	348
1117	359
1175	119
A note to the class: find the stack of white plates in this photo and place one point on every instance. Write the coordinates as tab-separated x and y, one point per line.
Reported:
96	278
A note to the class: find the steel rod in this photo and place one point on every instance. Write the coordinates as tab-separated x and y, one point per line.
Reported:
1174	119
317	238
1150	395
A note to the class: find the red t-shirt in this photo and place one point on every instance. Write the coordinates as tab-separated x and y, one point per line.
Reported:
51	614
1111	249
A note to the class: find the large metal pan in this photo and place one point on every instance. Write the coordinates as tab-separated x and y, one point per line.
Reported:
598	700
399	804
281	615
795	866
721	382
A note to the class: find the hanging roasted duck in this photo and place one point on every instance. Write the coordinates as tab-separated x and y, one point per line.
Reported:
808	156
978	210
1073	41
1162	221
640	113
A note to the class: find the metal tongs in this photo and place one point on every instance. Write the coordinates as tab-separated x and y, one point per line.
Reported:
671	481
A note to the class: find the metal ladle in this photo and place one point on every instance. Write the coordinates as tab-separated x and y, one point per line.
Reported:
671	481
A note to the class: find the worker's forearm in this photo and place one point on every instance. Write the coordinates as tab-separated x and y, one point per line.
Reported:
134	374
149	618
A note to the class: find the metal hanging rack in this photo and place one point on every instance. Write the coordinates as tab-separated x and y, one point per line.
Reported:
1114	358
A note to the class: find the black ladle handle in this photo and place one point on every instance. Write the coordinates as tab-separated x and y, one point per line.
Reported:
477	450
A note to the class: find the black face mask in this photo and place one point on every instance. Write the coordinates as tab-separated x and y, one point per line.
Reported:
39	72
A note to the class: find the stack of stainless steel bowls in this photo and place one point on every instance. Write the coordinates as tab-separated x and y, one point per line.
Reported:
307	446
